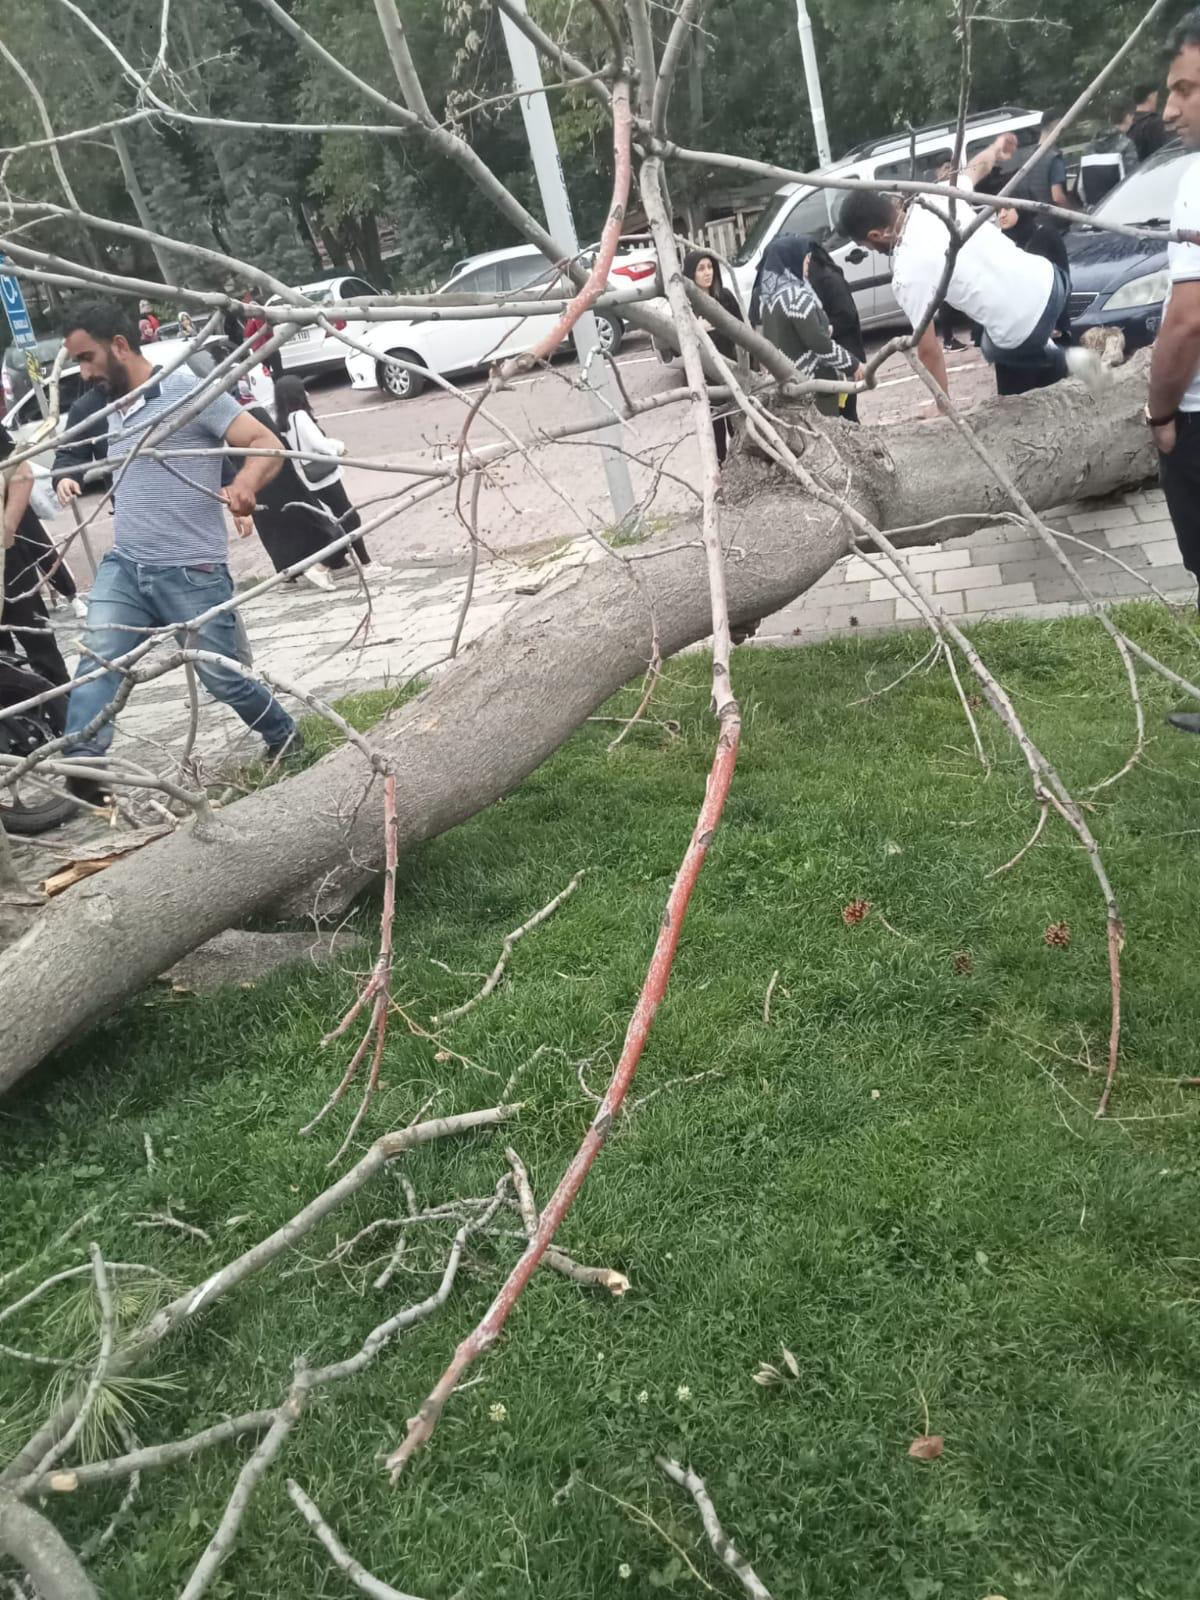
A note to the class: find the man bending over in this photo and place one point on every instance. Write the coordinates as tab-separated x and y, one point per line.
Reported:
1016	298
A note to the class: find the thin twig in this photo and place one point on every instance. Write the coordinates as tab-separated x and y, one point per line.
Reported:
616	1283
497	971
767	998
337	1552
723	1547
164	1219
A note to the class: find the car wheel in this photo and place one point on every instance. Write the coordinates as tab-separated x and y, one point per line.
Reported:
610	331
401	383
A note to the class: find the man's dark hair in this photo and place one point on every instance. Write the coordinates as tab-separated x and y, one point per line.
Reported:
864	210
1187	32
1049	118
104	319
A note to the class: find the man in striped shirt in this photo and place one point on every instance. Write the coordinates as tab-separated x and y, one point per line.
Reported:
167	565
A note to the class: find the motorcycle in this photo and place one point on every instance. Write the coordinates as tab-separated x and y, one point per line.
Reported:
34	804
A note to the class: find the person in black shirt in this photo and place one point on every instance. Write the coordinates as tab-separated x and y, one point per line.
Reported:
1147	130
22	606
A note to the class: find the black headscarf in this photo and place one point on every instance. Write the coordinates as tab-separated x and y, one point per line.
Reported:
723	296
786	254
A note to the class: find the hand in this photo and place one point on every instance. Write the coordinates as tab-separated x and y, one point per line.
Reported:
67	491
860	373
244	526
239	498
1164	438
1005	147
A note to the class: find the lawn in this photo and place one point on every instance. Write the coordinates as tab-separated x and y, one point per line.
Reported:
898	1178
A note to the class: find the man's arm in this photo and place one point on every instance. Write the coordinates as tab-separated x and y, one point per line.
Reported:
246	433
1176	359
932	356
980	165
1058	182
70	460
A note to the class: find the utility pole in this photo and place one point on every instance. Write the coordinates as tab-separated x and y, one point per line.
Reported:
812	78
547	166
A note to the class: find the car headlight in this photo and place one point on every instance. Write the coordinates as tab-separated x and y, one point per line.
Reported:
1149	290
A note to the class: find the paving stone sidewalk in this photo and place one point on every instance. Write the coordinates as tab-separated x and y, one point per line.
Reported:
324	642
1001	572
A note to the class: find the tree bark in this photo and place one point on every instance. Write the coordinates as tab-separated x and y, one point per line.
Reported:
518	693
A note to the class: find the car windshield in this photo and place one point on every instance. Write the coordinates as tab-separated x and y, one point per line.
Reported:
762	228
1148	195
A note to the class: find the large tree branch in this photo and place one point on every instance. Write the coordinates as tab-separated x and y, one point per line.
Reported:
514	697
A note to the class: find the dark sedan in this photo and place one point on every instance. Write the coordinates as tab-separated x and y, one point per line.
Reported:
1117	282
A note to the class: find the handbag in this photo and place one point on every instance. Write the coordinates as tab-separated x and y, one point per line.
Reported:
314	472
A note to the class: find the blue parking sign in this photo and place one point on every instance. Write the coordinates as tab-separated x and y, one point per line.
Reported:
16	310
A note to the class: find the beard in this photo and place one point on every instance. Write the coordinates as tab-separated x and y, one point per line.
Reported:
114	380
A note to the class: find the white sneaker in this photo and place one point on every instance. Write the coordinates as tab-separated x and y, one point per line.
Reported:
376	572
320	577
1087	366
79	607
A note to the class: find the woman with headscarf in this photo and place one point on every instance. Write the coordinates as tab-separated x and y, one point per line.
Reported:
299	429
704	270
804	306
289	519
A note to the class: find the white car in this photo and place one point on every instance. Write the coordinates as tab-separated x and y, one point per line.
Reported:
312	349
465	344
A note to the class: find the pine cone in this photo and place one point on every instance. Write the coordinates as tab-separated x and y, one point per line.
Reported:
855	912
962	963
1058	934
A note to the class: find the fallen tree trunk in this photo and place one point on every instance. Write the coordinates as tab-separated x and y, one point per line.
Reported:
517	694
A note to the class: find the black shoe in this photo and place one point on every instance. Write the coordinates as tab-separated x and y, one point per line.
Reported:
953	345
288	749
1185	721
89	791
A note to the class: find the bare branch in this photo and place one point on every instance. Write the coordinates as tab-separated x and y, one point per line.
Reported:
723	1547
108	1333
187	1305
37	1546
338	1554
497	972
68	1480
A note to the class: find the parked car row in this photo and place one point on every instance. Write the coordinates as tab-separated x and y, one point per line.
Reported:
1116	282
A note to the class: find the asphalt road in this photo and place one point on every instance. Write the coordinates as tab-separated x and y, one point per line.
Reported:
551	492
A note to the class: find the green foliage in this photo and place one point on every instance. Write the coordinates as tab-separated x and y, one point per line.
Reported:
740	88
898	1179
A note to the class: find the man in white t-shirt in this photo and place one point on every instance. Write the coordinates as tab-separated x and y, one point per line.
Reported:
1016	298
1173	404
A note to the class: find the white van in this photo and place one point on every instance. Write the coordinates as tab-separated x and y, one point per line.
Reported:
916	156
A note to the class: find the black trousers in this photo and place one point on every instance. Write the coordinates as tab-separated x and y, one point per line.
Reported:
1179	474
36	542
334	497
720	428
28	611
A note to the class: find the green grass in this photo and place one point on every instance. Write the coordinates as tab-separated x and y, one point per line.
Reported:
968	1237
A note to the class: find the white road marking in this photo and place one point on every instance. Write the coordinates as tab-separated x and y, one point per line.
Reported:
966	366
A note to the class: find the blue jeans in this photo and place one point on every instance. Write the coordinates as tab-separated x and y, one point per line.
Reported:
1039	349
127	594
